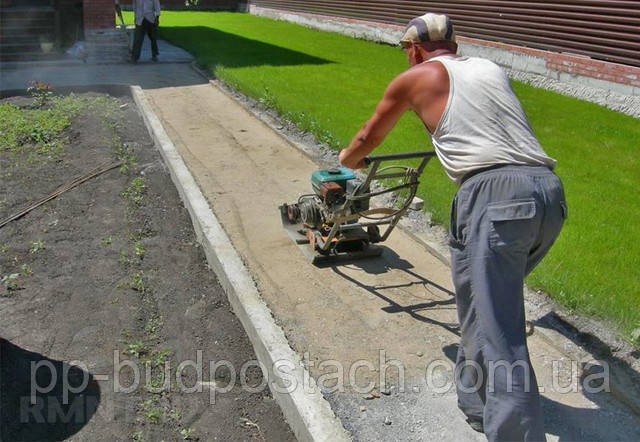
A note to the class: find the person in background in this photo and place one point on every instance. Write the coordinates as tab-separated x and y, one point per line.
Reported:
508	211
147	17
119	12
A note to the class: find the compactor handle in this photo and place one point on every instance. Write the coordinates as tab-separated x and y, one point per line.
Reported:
399	156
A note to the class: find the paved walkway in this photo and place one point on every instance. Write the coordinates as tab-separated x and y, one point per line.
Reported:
168	53
146	75
171	70
401	303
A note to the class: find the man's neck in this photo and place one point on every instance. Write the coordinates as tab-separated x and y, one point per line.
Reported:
439	53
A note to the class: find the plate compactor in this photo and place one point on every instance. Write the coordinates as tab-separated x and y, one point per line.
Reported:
336	221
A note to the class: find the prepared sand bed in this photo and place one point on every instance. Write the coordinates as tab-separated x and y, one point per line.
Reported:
357	325
112	326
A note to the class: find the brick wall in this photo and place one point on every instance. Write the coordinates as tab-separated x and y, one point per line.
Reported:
211	5
572	64
98	14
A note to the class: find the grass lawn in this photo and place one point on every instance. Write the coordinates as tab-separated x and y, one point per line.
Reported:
329	84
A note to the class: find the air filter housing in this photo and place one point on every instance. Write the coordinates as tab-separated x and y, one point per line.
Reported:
339	175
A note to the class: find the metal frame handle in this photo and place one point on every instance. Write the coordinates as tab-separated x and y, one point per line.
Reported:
374	162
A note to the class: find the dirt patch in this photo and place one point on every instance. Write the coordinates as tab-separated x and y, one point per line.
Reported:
110	275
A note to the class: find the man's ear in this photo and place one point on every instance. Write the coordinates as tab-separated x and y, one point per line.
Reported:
417	54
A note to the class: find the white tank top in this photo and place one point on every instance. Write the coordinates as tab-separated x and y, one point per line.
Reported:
483	123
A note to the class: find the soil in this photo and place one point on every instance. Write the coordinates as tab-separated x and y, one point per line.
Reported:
105	282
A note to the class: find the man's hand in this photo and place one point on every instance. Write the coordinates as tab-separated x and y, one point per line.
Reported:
347	162
156	23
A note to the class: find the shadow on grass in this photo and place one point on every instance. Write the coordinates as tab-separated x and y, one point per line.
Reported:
213	47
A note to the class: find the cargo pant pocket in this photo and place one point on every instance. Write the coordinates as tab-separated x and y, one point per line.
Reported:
455	241
511	224
565	210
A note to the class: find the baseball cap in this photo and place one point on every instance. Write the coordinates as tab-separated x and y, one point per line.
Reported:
429	27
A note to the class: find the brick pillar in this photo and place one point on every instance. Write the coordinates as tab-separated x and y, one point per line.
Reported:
98	14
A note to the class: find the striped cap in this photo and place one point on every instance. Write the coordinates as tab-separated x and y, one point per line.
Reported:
429	27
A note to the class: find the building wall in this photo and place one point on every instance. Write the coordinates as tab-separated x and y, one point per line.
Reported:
98	14
601	29
570	68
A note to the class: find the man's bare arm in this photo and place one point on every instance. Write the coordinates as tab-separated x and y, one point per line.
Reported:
393	105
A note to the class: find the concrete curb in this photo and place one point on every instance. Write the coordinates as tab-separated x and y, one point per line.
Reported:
307	412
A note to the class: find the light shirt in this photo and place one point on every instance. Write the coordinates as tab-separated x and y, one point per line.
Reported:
146	9
483	123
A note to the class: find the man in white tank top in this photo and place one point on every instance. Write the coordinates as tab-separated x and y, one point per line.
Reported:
507	213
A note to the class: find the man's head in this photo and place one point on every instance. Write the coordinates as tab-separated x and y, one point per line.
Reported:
428	36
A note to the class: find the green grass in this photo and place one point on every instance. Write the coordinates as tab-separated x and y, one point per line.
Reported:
39	129
329	84
36	130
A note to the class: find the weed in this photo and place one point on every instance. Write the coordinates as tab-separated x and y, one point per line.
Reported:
138	249
11	282
156	385
151	412
124	153
40	91
4	249
107	241
135	192
176	415
186	433
155	367
268	99
137	282
154	415
26	269
124	258
137	436
134	235
158	358
125	333
36	246
36	131
152	325
135	348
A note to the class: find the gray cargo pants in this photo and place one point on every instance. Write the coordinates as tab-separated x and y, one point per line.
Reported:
503	222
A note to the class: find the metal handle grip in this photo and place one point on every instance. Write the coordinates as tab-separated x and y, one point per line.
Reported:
399	156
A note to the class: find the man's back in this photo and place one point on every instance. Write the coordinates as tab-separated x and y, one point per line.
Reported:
482	123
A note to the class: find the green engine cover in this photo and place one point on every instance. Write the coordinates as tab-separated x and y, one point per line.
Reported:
338	175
